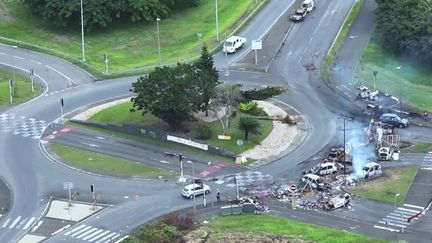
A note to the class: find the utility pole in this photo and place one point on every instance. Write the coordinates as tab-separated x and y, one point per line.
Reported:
217	20
10	91
82	32
158	38
344	146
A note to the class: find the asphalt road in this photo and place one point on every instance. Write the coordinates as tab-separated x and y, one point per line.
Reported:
34	178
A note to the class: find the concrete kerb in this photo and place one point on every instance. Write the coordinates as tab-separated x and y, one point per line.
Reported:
37	220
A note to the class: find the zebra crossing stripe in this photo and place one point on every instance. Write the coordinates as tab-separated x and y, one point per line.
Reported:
413	206
92	234
80	231
409	210
108	237
385	228
5	223
29	222
86	233
391	223
14	222
399	219
99	236
73	230
405	215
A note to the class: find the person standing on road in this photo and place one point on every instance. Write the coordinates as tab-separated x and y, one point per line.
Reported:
425	115
218	196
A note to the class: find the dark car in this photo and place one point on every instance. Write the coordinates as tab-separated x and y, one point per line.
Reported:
394	120
299	15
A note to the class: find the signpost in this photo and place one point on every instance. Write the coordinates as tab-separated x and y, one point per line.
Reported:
293	188
68	186
256	45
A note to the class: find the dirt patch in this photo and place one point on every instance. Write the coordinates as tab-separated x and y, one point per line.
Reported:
204	235
4	13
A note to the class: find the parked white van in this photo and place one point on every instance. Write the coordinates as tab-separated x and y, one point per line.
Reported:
233	43
308	5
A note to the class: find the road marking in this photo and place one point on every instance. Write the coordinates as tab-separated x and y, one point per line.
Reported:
37	226
99	236
399	219
413	206
5	223
164	162
80	231
14	222
101	138
408	210
18	57
35	62
86	233
392	224
73	230
1	53
385	228
106	237
405	215
93	234
61	229
66	77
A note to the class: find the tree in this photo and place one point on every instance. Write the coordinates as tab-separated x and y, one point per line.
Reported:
207	78
168	93
249	124
222	104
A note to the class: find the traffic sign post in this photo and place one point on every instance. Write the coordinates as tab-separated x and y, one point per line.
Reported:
293	188
256	45
68	186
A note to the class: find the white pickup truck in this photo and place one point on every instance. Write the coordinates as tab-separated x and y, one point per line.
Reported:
233	43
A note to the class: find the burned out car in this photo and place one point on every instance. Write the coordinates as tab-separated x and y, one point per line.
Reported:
371	169
338	202
299	15
314	181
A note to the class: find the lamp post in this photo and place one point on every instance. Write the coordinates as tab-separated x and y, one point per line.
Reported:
193	183
375	74
226	62
217	20
344	144
158	38
395	197
82	32
182	178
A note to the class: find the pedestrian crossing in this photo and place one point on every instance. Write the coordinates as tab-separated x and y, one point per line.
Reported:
400	218
21	125
18	223
427	161
91	234
243	179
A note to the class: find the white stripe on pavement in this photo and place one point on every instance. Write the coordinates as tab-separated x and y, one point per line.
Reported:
27	225
80	231
86	233
106	237
413	206
75	229
93	234
99	236
392	224
409	210
399	219
405	216
5	223
385	228
14	222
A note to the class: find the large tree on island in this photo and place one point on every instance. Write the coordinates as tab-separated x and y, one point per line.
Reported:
168	93
207	78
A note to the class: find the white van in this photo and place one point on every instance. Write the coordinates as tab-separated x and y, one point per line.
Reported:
308	5
233	43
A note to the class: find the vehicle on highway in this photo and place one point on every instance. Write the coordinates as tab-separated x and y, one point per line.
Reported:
308	5
394	120
195	189
233	43
299	15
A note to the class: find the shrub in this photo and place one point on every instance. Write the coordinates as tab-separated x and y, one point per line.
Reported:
159	232
203	132
251	108
289	120
261	94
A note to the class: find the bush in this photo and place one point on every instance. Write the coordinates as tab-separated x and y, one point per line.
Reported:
289	120
159	232
261	94
203	132
251	108
185	222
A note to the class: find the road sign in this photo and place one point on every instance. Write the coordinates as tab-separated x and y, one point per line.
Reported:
240	142
293	188
256	44
67	185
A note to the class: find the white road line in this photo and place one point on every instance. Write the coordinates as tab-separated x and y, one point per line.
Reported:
14	222
22	222
35	62
113	238
61	229
399	219
106	237
99	236
385	228
405	216
36	226
18	57
86	233
164	162
1	53
66	77
5	223
413	206
409	210
93	234
80	231
75	229
391	223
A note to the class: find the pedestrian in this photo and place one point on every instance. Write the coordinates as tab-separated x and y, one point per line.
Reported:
218	196
425	115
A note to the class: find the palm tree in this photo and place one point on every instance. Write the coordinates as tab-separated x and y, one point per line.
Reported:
249	124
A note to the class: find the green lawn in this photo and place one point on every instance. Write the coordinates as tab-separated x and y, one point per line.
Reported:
122	115
24	88
412	80
383	189
418	148
129	46
104	164
293	229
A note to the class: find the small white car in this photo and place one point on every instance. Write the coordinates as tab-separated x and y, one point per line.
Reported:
314	181
233	43
195	189
371	169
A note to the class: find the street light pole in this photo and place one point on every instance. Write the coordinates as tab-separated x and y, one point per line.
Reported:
375	74
396	196
82	32
193	183
217	20
344	144
158	38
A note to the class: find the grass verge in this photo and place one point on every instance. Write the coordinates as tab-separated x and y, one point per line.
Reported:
123	115
273	226
402	77
104	164
384	189
23	84
129	46
418	148
338	41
